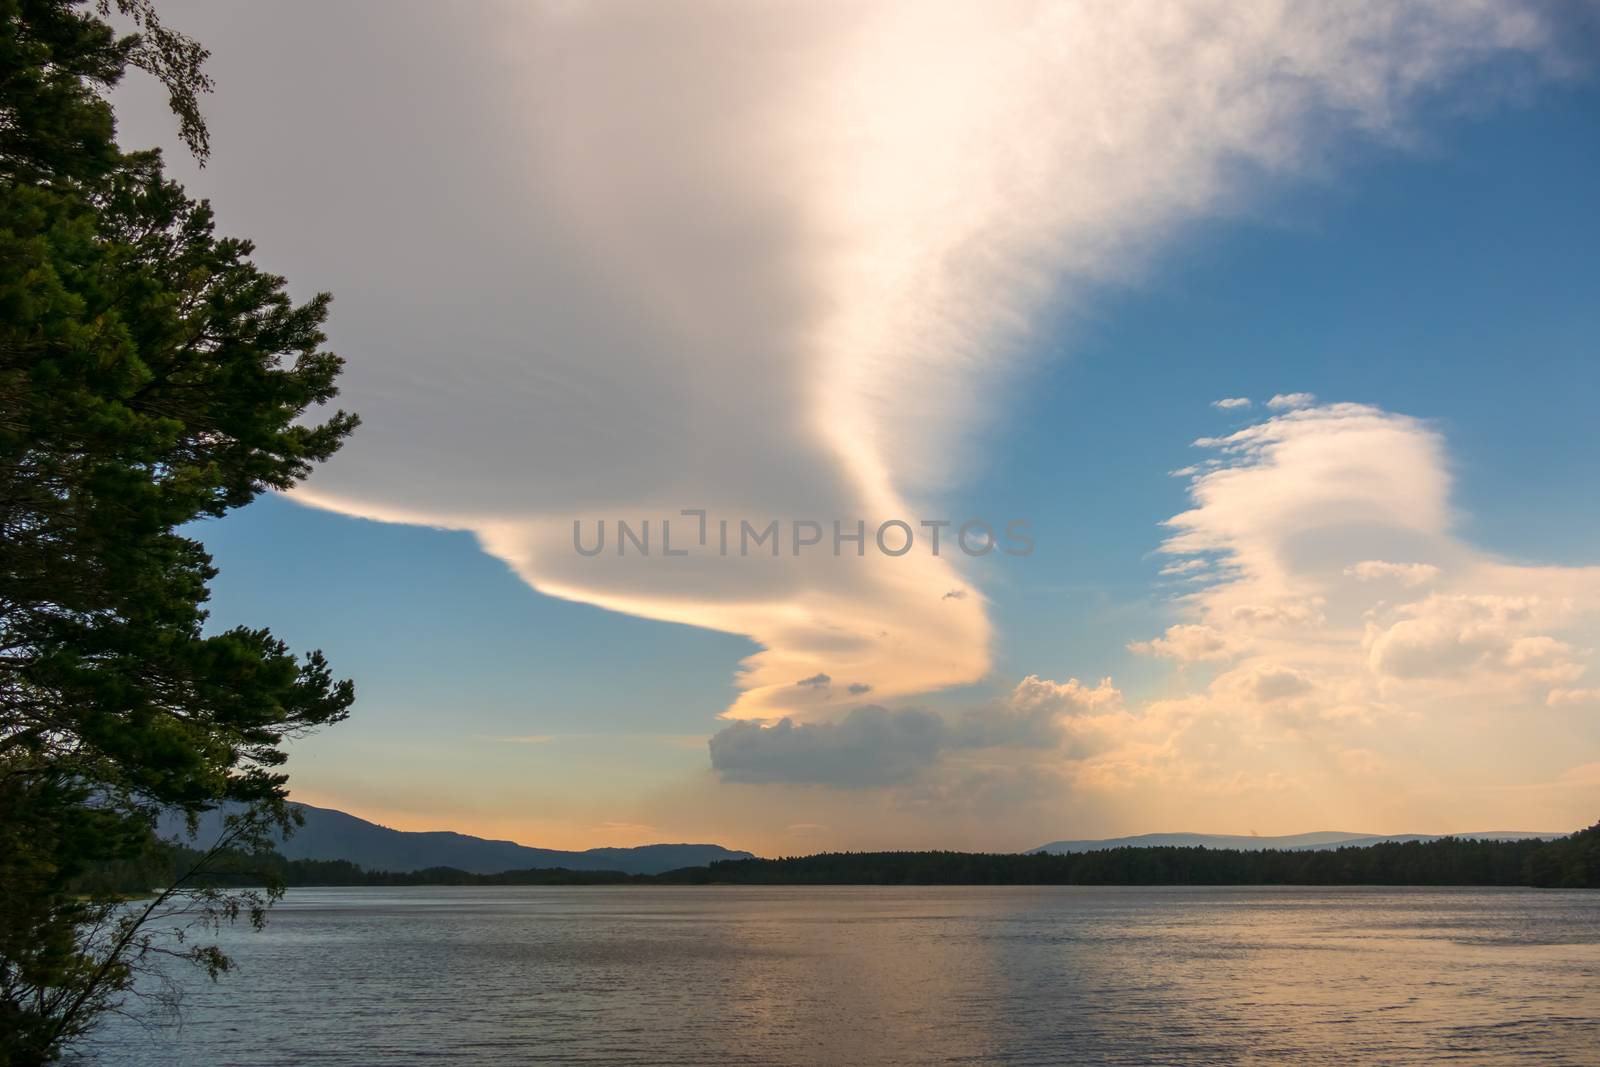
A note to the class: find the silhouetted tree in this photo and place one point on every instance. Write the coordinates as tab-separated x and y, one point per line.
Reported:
150	375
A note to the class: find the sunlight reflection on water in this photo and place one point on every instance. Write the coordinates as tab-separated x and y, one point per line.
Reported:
875	975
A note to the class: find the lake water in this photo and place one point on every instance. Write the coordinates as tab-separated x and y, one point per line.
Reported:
857	976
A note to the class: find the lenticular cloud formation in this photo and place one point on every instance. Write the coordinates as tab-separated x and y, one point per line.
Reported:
770	261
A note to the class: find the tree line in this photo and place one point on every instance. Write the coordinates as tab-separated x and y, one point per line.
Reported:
1571	862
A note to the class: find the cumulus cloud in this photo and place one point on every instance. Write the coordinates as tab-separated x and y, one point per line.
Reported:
1371	570
1287	611
1316	665
1449	636
1042	714
869	746
751	258
1070	698
1266	683
1231	403
875	746
1190	641
1305	517
1332	669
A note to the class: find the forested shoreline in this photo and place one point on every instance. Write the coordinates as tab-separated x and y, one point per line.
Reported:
1571	862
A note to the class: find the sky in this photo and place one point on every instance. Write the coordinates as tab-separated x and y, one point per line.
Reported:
1271	327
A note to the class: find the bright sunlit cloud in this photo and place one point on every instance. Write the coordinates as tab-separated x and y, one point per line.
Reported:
770	260
1308	666
1323	656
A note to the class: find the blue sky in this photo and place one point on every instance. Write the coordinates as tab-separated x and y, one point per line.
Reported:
1442	274
1454	281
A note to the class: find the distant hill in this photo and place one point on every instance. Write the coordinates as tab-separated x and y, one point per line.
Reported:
1316	840
335	835
1571	861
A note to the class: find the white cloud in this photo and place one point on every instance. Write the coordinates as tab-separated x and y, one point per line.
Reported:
1284	613
1069	698
1320	679
1334	661
1191	641
1287	401
1231	403
1454	636
869	746
762	259
876	746
1409	574
1265	683
1305	516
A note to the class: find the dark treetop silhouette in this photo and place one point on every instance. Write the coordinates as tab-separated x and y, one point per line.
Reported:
1571	862
150	375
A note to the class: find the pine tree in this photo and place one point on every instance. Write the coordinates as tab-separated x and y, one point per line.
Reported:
150	375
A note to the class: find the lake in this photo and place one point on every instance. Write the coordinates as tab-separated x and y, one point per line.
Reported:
874	975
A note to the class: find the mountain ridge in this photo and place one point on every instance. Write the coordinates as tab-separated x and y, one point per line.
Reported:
330	834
